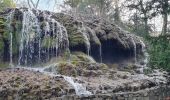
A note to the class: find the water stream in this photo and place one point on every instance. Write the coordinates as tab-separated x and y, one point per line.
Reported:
37	37
9	21
79	88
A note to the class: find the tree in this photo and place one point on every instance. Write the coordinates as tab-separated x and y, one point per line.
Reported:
31	4
144	8
73	3
95	7
163	8
116	14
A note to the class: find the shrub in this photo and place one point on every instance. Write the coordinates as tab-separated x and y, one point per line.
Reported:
159	51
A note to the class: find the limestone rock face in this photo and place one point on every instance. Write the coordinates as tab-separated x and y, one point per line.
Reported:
106	39
57	32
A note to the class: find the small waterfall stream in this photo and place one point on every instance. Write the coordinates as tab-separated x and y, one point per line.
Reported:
79	88
9	21
143	51
100	53
146	56
82	30
134	50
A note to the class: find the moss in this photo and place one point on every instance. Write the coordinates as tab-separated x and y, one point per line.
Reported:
1	46
74	35
74	58
47	42
75	62
76	39
1	36
4	65
66	68
83	57
2	25
66	55
5	33
103	67
18	25
15	45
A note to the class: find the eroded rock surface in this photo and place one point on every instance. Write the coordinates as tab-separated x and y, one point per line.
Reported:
25	85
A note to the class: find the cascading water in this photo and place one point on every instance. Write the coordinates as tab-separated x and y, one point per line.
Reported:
82	30
100	53
9	21
27	36
134	50
146	56
144	53
31	43
38	38
79	88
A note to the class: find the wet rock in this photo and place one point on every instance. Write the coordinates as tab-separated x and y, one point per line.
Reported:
36	85
71	91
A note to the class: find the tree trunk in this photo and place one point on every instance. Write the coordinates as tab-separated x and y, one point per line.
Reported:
146	24
165	16
165	20
117	13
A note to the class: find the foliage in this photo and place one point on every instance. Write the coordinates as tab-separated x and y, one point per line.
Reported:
73	3
95	7
159	52
144	9
4	65
138	28
6	3
1	46
1	35
162	7
147	9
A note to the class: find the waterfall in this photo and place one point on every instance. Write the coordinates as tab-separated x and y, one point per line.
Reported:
79	88
134	49
27	35
146	56
9	21
11	61
100	53
32	34
82	30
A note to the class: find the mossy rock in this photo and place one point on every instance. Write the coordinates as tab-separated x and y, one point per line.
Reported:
75	33
76	39
80	56
47	42
3	64
66	68
1	46
94	40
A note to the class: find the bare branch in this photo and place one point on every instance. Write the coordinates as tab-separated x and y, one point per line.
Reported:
37	3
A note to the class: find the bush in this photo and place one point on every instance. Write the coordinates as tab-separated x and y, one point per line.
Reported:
159	51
